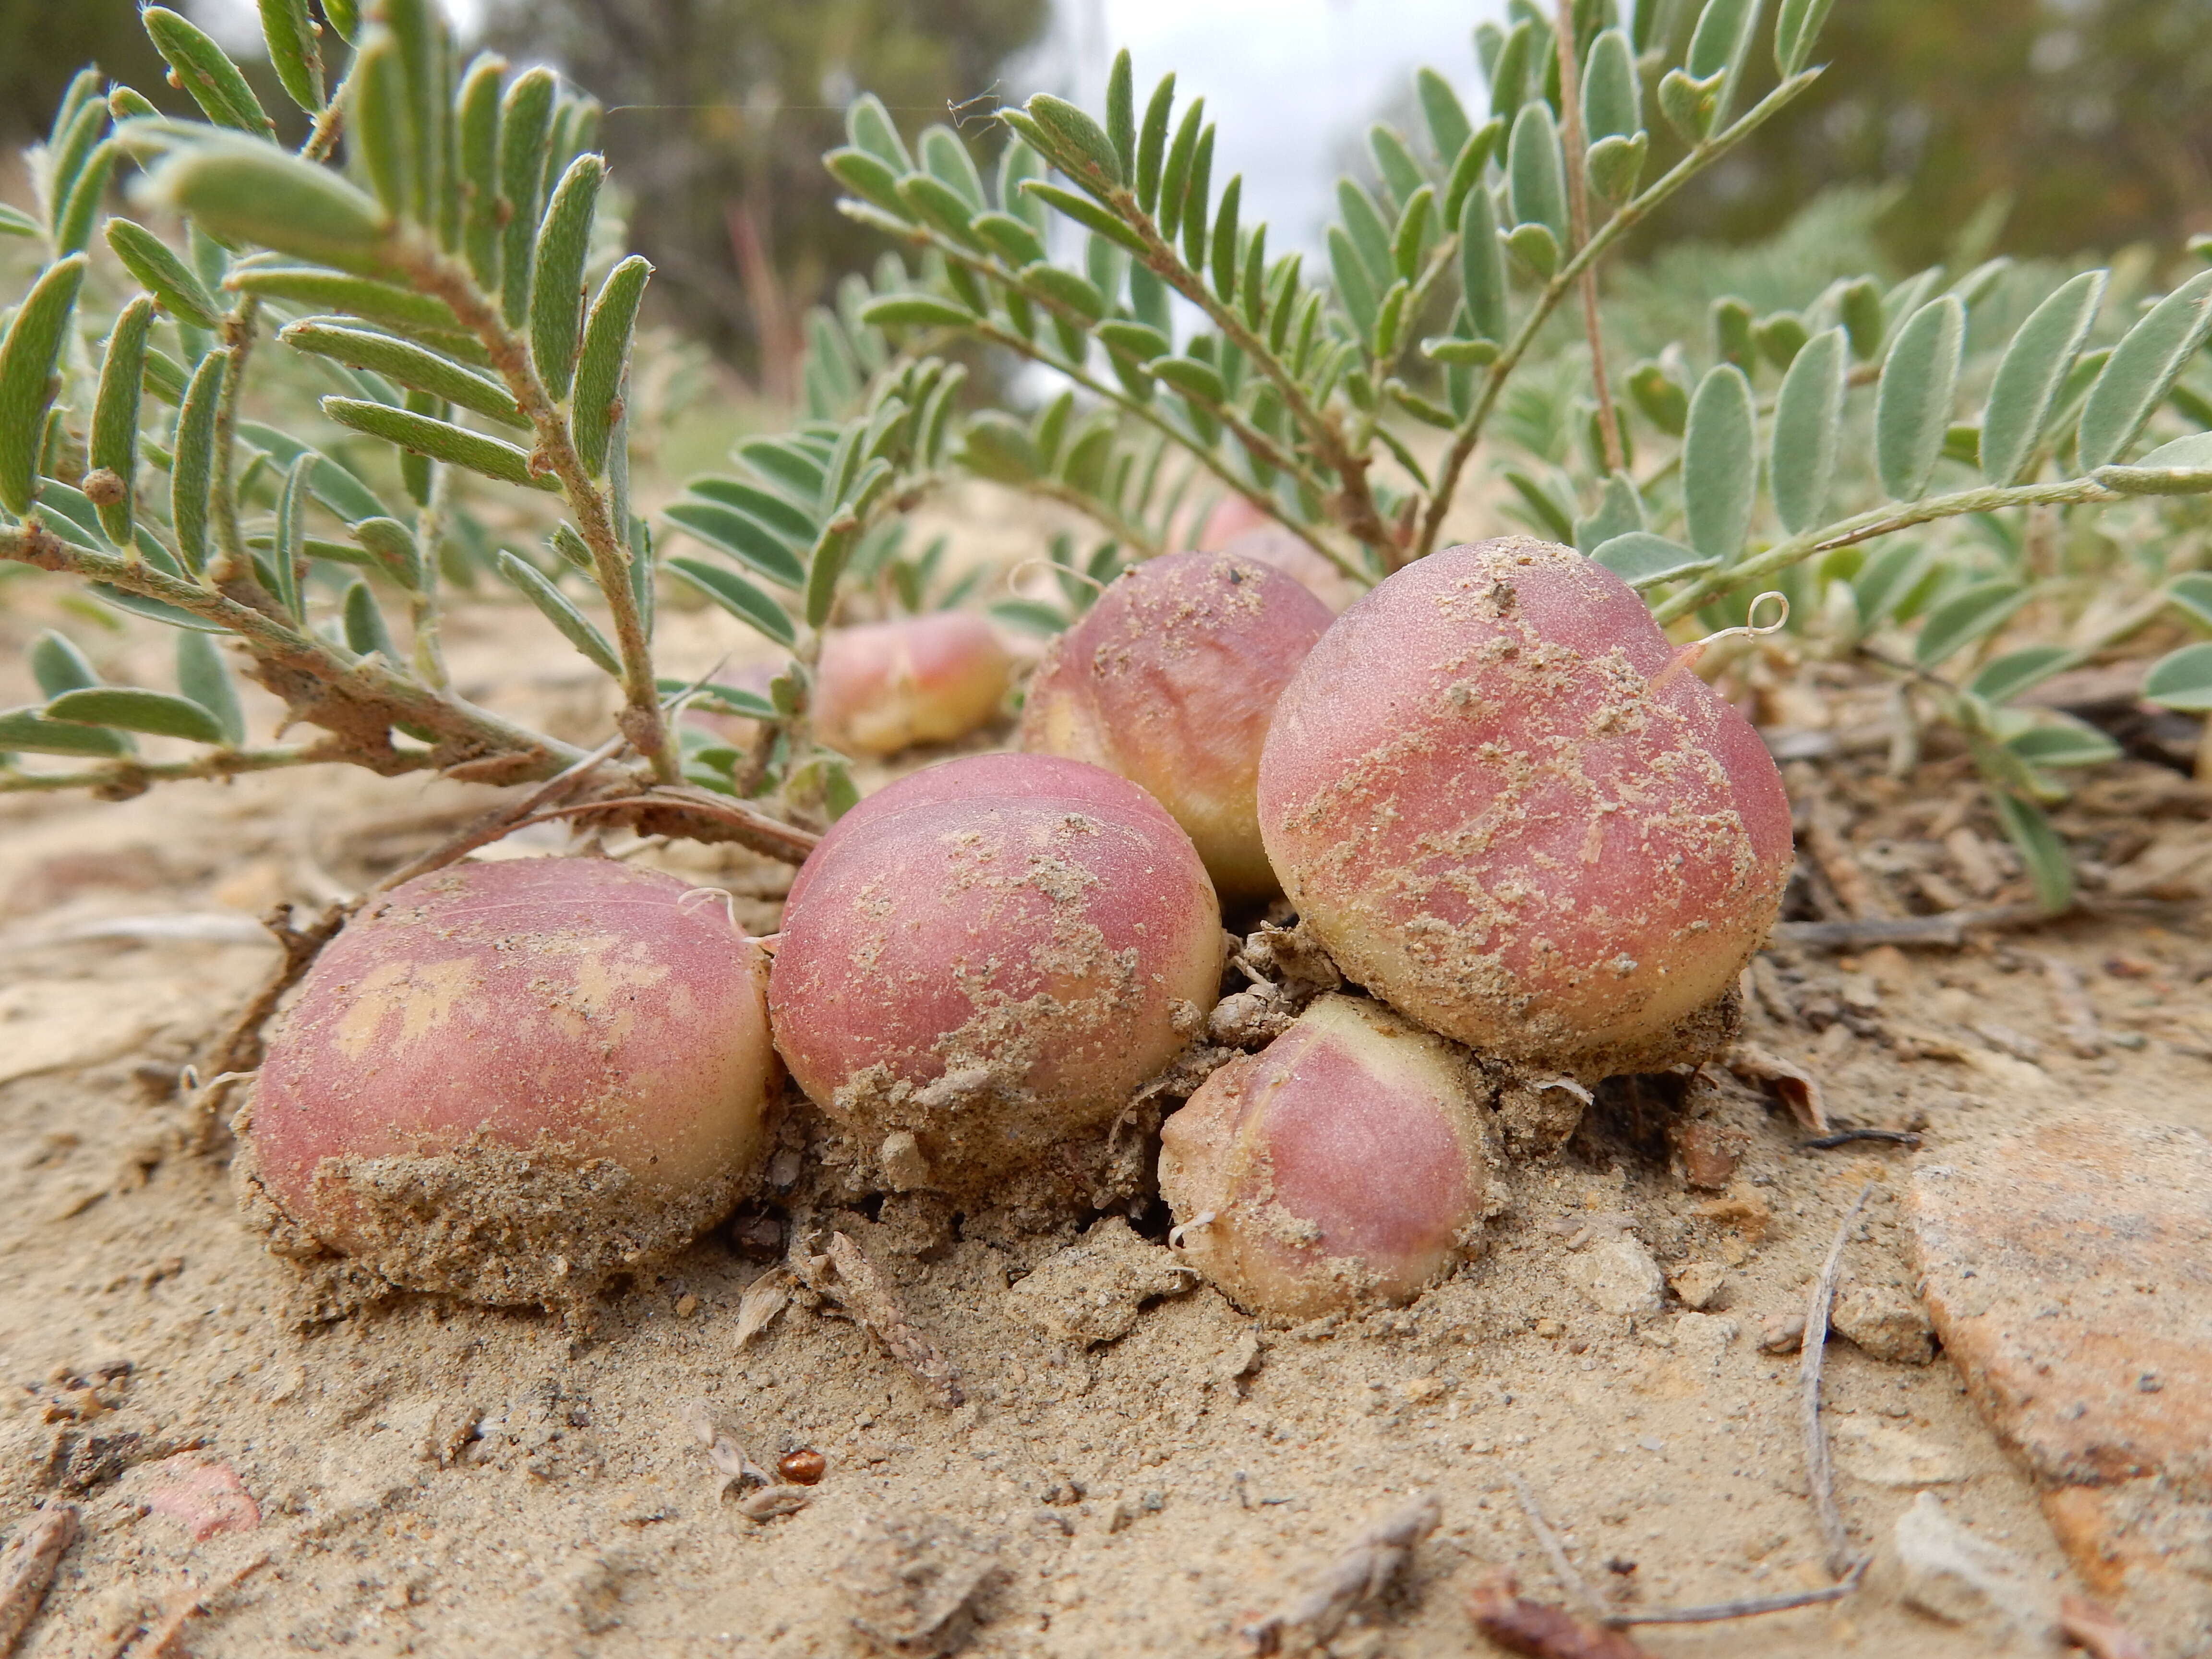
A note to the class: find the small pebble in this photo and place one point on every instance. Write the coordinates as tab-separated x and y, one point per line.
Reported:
686	1305
802	1467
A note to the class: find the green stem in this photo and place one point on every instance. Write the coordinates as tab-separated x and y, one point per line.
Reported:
430	655
239	329
1113	523
642	720
1571	142
1865	526
1632	213
120	780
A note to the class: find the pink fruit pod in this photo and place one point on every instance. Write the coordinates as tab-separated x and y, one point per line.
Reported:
508	1081
887	686
1169	681
1344	1162
984	960
1502	800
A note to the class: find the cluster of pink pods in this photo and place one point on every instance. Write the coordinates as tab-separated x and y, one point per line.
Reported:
1489	788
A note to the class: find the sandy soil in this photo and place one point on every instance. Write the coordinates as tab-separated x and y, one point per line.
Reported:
432	1478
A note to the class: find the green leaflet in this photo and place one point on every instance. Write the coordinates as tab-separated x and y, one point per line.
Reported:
742	536
14	222
1613	103
1643	560
604	360
525	124
1412	239
1194	199
1225	240
1661	398
1619	511
334	486
995	445
390	545
1009	238
1887	578
290	34
114	444
1066	289
936	204
1797	32
1615	165
2192	594
1368	231
27	731
1152	143
871	128
826	565
796	470
1720	463
382	110
247	192
1121	113
476	135
796	527
1077	145
1092	217
408	364
1401	173
2002	678
868	178
2050	867
554	605
204	678
1467	170
57	665
1355	288
381	303
205	72
1444	115
747	603
192	474
163	275
440	441
1175	178
1965	616
1192	378
366	634
1509	77
27	355
1719	46
2063	742
557	282
2143	369
73	223
1912	407
289	551
1860	309
2028	377
1808	419
75	137
2180	680
129	708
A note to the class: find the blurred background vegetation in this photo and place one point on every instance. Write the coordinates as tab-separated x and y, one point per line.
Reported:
2033	127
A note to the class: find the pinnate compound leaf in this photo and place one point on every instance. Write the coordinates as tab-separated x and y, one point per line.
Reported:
2029	375
576	627
2143	369
747	603
1720	463
131	709
1808	419
1965	616
1912	407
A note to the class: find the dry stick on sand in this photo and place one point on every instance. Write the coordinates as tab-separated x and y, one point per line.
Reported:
28	1568
2069	1001
1950	927
1539	1630
1749	1607
162	1640
846	1276
1819	1475
1360	1574
1571	1579
1855	890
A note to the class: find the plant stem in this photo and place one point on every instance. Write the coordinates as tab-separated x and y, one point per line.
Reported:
1632	213
1865	526
123	779
239	329
1572	140
1112	522
641	720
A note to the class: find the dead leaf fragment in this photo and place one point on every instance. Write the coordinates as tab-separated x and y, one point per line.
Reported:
1796	1087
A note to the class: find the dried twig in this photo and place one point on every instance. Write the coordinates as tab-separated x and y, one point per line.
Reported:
1540	1630
1749	1607
2077	1016
764	1299
1361	1573
676	809
1950	927
1569	1577
163	1638
2087	1625
28	1568
1799	1089
1845	1137
1855	890
237	1053
1819	1475
846	1276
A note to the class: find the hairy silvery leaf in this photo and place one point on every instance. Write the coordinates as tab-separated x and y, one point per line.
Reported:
1720	463
27	355
1401	174
1466	171
604	360
1174	179
576	628
1613	101
1076	144
1615	165
191	474
205	72
1808	419
334	486
129	709
557	282
57	665
795	527
27	731
788	466
1797	32
1510	74
289	551
73	219
1619	513
823	568
872	129
1224	239
2192	595
162	274
741	536
1912	407
290	34
1893	572
1443	112
2143	369
476	136
1369	232
366	634
204	678
2183	467
248	192
2028	377
525	128
1535	246
1643	560
2002	678
1152	143
1535	172
115	443
1719	46
382	128
440	441
408	365
2062	742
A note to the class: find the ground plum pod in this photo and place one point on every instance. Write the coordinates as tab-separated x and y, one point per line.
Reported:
883	687
507	1081
1497	793
1344	1162
1168	680
984	959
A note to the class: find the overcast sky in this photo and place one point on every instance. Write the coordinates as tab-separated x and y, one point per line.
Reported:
1290	82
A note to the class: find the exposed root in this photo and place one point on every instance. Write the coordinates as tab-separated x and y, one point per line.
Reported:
28	1568
1360	1575
238	1052
844	1275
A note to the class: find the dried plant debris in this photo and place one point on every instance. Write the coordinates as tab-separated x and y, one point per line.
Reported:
1357	1578
1797	1088
1091	1291
912	1580
844	1274
28	1567
1540	1630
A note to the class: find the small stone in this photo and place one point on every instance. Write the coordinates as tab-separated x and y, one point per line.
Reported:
1703	1339
1710	1152
1886	1324
1954	1575
686	1305
1620	1276
901	1159
1091	1291
203	1496
1780	1332
1698	1283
